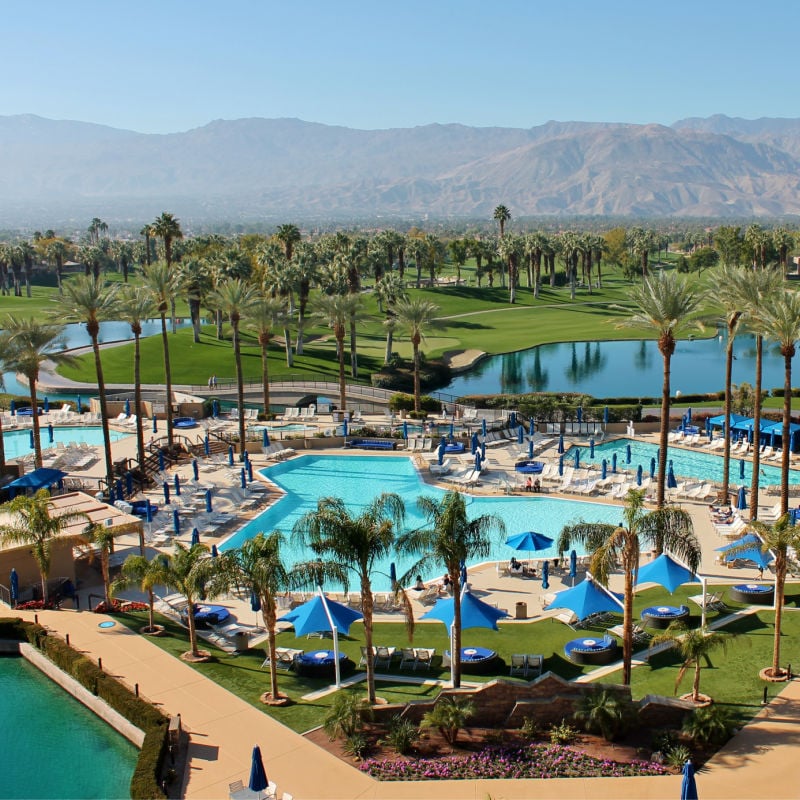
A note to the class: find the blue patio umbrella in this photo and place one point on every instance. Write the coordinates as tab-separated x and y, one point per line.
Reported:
604	469
46	405
127	407
483	426
478	460
206	446
166	493
209	507
258	775
652	468
512	419
529	540
672	483
344	427
667	572
160	460
741	499
195	469
393	574
689	414
586	598
741	469
128	483
176	521
246	457
265	437
14	586
627	454
177	481
462	574
560	442
112	495
13	408
683	423
748	548
118	486
577	457
474	612
688	784
255	602
195	537
230	455
30	437
546	575
639	475
561	464
452	430
580	414
613	463
591	448
155	424
708	426
214	551
573	564
243	477
405	429
530	448
249	467
78	405
483	450
215	409
148	510
442	447
520	434
605	415
473	445
50	432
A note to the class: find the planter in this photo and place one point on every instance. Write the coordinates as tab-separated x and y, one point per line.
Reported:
156	630
281	700
201	658
704	700
767	675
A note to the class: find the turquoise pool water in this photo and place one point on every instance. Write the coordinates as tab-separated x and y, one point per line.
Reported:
18	443
360	479
52	745
690	464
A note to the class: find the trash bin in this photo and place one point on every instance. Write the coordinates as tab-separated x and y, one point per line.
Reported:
241	641
522	610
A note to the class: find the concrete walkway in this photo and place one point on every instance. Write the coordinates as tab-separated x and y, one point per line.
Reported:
758	762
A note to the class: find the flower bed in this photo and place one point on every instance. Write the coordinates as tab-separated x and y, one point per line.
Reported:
119	606
531	761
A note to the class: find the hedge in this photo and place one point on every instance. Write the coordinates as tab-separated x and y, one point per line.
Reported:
144	782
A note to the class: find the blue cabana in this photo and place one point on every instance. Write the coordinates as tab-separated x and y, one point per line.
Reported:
775	431
719	421
42	478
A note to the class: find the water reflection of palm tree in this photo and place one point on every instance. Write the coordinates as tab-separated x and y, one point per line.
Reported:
642	360
538	378
511	373
592	363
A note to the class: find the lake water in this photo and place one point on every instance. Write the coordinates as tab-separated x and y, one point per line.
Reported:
614	369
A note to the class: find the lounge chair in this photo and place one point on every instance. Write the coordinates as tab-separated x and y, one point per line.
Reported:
569	618
408	658
713	601
534	663
424	657
519	665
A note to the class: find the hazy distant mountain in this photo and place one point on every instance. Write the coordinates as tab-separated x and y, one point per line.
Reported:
52	171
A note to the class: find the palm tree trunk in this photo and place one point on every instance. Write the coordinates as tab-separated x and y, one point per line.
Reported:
194	311
237	355
664	431
2	445
415	343
353	353
137	400
787	416
696	683
218	320
287	338
192	628
780	580
387	357
106	570
754	485
366	610
101	390
726	454
167	376
37	441
627	623
342	382
455	646
264	342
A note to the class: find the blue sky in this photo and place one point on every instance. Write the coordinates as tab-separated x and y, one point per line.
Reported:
177	64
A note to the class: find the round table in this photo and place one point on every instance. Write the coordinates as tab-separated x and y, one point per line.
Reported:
184	422
318	663
139	508
454	447
591	650
529	467
474	659
27	412
205	615
662	616
753	593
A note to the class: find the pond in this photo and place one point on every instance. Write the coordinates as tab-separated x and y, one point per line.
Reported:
614	369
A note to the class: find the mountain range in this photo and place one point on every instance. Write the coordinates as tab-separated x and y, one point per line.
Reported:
55	171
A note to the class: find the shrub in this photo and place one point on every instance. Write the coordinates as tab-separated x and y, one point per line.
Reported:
677	755
401	402
604	713
402	735
530	728
346	716
355	745
710	725
563	733
449	715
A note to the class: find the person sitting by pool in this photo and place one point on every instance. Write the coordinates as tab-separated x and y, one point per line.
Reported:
419	585
515	567
528	484
722	516
537	485
447	584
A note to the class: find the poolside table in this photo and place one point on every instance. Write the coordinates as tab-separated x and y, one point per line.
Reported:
318	663
529	467
206	615
592	650
753	593
662	616
474	659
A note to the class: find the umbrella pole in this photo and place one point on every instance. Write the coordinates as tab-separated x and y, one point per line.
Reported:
335	638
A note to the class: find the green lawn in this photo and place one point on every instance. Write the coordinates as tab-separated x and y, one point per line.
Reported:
242	674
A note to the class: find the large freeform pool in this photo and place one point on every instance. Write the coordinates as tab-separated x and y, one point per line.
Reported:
52	745
18	443
692	464
358	480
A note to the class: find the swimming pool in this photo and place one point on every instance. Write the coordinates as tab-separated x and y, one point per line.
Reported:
358	480
18	443
691	464
52	745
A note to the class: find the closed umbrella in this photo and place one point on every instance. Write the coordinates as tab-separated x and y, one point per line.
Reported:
46	405
155	424
462	574
78	405
652	468
672	483
148	510
639	475
605	415
166	493
243	477
591	448
613	463
530	448
580	414
230	455
512	419
209	507
127	407
249	467
627	454
195	469
30	437
344	427
442	447
206	446
405	429
741	469
160	460
688	784
120	493
473	446
50	432
546	575
176	521
195	537
265	437
483	449
573	565
689	414
129	483
577	458
14	588
177	481
478	460
603	469
483	426
741	499
520	434
214	551
215	409
561	443
13	408
258	775
561	465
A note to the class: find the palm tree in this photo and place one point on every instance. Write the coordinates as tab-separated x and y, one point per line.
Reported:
25	345
235	297
263	317
389	290
663	304
782	540
694	646
256	567
288	235
502	215
666	528
168	228
510	249
147	232
135	304
57	251
90	300
451	540
33	525
416	315
138	571
195	278
781	323
345	545
305	271
162	281
102	537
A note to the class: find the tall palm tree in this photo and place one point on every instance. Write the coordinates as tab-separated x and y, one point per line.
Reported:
33	525
502	215
345	545
663	304
135	304
263	317
389	290
163	283
146	574
91	300
195	279
258	568
451	540
235	297
667	528
306	262
510	249
781	322
168	229
416	315
288	235
783	540
101	537
25	345
57	251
